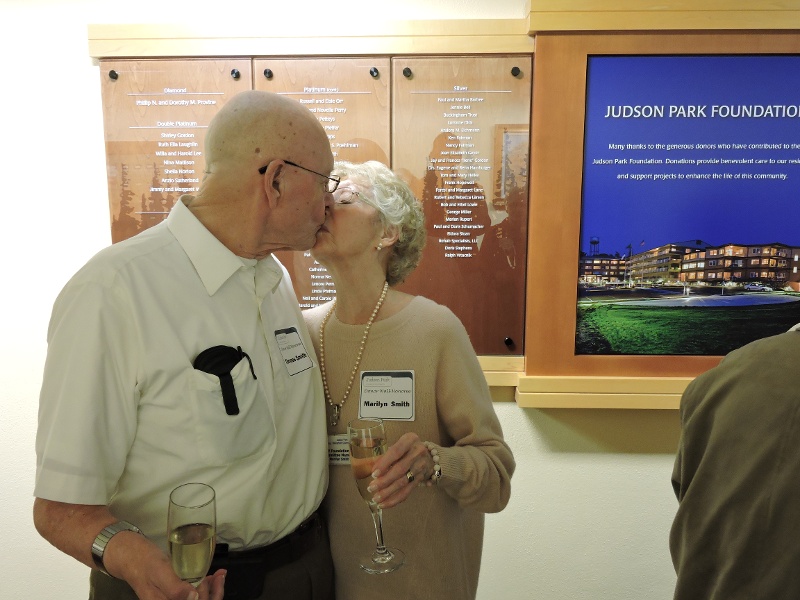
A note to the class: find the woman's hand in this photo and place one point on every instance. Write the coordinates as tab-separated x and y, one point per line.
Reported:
392	482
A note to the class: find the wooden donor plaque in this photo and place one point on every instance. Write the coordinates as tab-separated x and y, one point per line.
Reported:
156	113
456	129
460	138
350	97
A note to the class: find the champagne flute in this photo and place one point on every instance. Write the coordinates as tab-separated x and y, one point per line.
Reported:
367	439
191	530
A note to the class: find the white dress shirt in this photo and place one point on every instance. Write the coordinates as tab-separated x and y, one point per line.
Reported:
124	417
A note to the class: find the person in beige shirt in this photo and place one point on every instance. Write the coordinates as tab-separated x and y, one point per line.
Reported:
447	464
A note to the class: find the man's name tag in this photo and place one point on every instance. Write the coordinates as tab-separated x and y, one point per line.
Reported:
387	395
338	449
293	351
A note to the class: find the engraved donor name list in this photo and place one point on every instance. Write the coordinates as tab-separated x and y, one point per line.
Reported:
156	115
350	98
461	139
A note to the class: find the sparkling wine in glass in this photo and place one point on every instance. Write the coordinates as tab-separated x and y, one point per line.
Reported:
191	530
367	439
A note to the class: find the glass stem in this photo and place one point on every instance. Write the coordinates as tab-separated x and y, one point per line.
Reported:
377	519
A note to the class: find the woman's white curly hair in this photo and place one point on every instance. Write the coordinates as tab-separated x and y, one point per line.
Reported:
397	207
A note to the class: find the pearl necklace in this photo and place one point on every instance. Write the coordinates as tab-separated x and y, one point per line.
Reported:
337	408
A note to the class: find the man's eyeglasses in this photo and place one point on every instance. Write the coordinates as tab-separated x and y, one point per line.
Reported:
330	185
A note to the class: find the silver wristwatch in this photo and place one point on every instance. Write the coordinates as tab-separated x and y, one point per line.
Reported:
101	541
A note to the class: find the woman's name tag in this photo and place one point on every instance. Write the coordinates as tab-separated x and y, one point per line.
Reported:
387	395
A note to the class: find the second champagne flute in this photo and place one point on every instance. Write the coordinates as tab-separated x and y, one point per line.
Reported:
191	530
367	439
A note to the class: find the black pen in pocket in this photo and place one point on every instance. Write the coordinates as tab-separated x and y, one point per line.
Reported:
219	360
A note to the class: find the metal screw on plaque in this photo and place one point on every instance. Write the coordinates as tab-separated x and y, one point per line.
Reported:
374	72
235	73
515	71
407	73
268	73
508	342
113	75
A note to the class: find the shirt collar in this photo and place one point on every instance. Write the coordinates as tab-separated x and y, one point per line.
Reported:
214	263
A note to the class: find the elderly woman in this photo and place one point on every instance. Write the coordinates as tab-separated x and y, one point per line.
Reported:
448	463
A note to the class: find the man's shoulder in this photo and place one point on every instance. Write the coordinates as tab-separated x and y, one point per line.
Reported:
112	259
782	347
763	368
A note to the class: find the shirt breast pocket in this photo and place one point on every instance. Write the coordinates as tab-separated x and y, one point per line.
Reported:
223	438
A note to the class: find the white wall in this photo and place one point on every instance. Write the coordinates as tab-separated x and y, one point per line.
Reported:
591	504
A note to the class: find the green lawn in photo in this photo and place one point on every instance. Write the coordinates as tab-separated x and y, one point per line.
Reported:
615	328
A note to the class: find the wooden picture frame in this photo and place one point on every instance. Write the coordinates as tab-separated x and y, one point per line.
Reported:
554	374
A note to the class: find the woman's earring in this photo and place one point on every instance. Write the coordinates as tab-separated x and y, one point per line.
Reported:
379	247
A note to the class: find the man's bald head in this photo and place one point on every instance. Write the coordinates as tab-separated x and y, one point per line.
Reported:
255	127
252	211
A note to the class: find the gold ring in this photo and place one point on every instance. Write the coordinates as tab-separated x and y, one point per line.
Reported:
410	476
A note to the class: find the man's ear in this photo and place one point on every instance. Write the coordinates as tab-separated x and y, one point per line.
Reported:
273	182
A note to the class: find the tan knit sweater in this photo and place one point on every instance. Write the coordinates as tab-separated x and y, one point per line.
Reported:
439	528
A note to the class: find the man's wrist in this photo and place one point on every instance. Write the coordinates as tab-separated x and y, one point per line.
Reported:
101	541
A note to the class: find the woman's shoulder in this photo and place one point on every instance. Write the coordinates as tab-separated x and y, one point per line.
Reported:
432	305
432	311
316	314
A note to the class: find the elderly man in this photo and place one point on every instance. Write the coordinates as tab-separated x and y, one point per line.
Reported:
737	477
131	406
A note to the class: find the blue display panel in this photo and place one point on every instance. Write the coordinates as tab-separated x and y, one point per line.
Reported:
691	178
